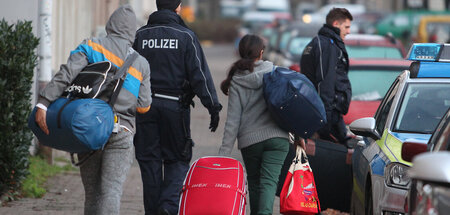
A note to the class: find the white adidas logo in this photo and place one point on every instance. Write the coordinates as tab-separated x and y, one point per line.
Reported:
87	90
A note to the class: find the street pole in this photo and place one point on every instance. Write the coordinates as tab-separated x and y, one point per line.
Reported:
45	43
45	56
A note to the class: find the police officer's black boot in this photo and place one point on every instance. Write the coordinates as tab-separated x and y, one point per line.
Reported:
163	211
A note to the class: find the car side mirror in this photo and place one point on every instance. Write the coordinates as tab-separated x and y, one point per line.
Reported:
365	127
411	149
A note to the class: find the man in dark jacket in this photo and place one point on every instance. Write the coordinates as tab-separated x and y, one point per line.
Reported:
325	63
179	72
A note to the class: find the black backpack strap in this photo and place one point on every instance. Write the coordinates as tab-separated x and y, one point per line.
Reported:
122	74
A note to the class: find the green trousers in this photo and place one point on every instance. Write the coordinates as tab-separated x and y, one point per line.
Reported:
263	162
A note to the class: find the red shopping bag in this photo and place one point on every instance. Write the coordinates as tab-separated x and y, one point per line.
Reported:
299	194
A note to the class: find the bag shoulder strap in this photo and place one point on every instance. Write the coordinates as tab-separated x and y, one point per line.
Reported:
128	61
122	74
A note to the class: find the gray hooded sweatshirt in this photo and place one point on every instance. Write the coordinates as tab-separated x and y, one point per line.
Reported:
135	94
248	118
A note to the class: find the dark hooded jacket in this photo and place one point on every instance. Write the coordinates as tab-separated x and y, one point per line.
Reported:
326	64
135	94
175	58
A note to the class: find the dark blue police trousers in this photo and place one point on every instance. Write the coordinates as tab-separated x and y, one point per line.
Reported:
163	153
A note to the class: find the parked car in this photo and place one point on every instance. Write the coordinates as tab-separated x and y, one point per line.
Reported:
373	46
370	80
304	8
401	23
234	8
430	192
433	29
279	42
319	16
293	41
430	173
410	110
365	23
265	24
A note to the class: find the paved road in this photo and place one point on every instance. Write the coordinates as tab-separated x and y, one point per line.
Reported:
66	194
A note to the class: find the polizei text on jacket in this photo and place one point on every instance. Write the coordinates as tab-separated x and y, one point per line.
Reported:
160	44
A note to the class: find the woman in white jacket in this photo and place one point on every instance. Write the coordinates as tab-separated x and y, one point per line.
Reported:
263	144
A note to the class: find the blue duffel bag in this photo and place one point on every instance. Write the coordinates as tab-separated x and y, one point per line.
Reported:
75	125
83	119
293	102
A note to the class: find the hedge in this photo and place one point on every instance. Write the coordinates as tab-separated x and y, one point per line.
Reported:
17	62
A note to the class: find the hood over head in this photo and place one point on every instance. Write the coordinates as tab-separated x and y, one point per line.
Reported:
253	80
122	23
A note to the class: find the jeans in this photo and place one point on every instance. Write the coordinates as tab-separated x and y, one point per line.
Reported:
263	162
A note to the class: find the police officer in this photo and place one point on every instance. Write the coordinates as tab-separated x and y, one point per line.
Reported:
179	72
325	62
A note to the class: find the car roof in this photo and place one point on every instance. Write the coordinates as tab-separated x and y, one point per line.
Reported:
382	62
436	18
370	40
302	29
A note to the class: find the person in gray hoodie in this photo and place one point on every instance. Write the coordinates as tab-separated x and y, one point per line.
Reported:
263	144
104	173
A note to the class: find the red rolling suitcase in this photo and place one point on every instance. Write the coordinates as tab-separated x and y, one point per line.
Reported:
214	185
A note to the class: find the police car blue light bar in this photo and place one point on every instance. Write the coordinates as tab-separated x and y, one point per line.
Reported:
425	52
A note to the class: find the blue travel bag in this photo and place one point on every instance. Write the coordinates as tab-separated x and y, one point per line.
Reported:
83	125
293	102
81	121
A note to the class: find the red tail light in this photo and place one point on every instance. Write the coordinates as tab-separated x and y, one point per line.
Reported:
295	67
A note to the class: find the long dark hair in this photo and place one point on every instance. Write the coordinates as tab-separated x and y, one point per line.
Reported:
250	48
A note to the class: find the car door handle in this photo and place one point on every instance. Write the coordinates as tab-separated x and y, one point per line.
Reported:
361	143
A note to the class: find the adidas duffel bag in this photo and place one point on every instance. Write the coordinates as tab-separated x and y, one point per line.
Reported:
75	125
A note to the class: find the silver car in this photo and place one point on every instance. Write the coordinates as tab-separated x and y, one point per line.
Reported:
430	173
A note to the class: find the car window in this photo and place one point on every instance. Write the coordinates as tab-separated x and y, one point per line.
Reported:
438	32
371	84
297	45
373	52
401	20
441	141
267	32
273	39
422	107
382	114
284	39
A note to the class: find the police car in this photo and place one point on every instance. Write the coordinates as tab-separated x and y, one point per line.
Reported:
410	111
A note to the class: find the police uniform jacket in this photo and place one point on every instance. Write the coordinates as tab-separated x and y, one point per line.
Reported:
325	62
175	56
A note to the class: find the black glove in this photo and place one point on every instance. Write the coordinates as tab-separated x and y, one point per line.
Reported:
214	121
214	112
